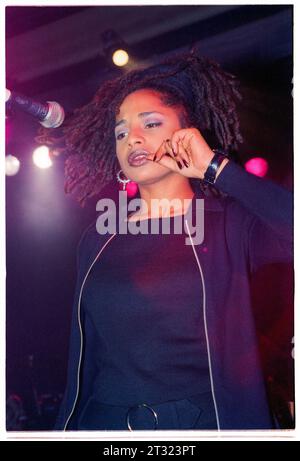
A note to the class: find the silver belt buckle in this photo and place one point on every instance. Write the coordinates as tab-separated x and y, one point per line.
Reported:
143	405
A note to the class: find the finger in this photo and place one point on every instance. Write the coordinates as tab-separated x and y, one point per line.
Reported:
165	149
170	152
152	155
160	152
177	136
182	153
175	152
167	161
169	148
188	148
174	145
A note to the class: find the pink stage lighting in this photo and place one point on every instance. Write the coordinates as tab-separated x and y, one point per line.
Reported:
258	166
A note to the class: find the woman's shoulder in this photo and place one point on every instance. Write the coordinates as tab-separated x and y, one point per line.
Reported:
89	237
231	212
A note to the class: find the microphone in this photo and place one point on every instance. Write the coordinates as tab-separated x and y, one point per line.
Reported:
50	114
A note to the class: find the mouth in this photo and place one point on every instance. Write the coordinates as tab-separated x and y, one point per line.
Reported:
138	157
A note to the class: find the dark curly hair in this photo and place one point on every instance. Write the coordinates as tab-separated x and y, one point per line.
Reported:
205	93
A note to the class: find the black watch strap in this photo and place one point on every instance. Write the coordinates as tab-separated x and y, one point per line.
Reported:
210	173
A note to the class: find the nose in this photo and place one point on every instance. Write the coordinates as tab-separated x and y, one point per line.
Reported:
135	136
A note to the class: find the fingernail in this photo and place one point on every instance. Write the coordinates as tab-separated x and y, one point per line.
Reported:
179	164
186	163
174	153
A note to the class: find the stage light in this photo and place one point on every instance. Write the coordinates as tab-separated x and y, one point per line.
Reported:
114	48
257	166
120	58
41	157
12	165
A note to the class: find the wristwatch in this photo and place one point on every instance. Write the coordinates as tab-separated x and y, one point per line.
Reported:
210	173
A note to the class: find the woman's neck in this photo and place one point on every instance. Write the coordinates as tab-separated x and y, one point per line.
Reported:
168	197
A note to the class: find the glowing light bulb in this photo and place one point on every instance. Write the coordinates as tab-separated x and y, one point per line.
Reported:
41	157
120	58
12	165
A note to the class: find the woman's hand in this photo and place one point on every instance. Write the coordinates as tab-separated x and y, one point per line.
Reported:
187	153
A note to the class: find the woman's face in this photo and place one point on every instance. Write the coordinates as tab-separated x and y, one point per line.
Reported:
142	124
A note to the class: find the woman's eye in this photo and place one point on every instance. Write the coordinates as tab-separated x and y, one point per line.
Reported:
152	124
120	136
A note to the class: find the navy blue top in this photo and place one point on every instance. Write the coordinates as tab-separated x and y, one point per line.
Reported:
144	298
243	232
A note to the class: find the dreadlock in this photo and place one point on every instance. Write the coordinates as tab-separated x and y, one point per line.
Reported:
205	93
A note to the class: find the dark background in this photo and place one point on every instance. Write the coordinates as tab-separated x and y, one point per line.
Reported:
55	53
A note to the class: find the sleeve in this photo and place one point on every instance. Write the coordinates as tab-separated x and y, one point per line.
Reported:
270	233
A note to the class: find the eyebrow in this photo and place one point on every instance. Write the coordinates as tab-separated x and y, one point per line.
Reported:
141	115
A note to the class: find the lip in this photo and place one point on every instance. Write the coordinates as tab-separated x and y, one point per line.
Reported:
138	157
